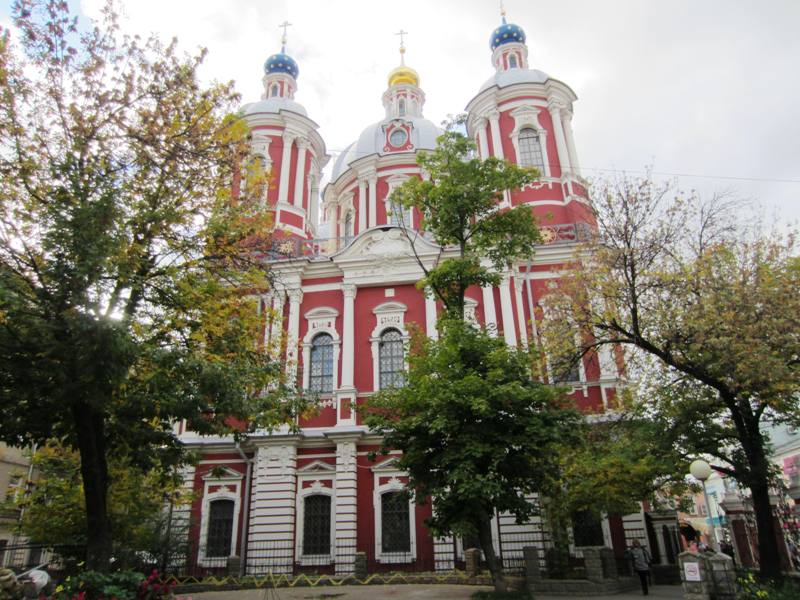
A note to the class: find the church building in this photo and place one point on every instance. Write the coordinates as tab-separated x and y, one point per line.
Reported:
342	303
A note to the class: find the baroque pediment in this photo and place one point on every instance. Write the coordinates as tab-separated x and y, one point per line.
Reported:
385	243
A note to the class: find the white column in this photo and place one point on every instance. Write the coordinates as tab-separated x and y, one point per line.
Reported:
430	317
346	502
561	145
566	119
494	125
509	332
283	185
348	335
489	310
272	508
277	322
483	145
373	201
362	205
523	329
293	327
313	203
300	173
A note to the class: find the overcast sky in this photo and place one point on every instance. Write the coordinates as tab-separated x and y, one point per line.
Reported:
707	90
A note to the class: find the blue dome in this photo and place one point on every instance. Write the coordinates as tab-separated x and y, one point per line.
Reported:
507	33
281	63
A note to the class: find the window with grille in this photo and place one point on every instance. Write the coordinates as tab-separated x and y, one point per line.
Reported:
220	528
395	522
512	62
391	357
321	369
348	227
530	149
317	525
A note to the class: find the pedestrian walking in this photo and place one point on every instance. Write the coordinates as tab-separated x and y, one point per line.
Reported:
640	558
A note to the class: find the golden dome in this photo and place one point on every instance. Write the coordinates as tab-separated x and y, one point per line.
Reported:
403	75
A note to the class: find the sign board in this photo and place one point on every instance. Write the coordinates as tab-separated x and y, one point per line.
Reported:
691	571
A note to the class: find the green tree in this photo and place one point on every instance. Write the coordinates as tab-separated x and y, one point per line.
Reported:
54	511
458	202
124	262
476	428
478	432
708	314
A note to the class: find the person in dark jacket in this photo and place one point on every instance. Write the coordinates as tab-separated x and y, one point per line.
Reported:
640	558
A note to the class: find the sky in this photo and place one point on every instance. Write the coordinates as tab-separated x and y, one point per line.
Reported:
702	91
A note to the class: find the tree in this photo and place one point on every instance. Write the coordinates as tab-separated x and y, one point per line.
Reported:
55	508
478	432
709	312
124	262
458	204
477	429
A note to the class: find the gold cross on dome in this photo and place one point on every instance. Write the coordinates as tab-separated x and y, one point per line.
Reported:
284	25
401	33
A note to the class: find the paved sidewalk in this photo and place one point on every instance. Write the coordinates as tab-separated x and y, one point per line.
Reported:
409	592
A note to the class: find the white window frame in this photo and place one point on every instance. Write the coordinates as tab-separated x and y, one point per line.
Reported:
321	320
388	315
582	382
394	182
229	479
527	117
388	468
316	472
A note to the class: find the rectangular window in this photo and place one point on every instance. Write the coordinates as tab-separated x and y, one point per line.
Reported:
395	523
220	529
317	525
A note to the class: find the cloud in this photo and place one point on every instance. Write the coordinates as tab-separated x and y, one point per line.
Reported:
705	89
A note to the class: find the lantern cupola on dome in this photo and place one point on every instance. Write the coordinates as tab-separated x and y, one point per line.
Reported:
507	33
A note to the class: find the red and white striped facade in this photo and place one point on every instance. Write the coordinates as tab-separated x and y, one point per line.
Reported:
359	283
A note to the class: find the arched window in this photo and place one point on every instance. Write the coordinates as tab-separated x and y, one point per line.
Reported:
321	373
401	107
512	61
317	524
255	180
220	528
273	90
391	357
395	523
530	149
348	227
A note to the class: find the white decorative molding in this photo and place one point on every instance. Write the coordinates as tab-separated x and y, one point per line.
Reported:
389	315
528	116
229	484
388	468
320	320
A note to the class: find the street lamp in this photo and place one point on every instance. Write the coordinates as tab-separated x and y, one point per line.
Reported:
701	471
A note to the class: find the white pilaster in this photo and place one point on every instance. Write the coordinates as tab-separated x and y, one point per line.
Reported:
494	125
348	335
489	310
272	508
300	173
373	201
295	298
430	317
561	145
346	501
483	145
276	327
523	329
566	119
362	205
509	327
283	185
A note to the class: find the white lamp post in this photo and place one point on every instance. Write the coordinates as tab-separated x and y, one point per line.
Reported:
701	471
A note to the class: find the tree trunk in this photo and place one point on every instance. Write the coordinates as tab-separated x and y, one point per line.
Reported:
495	565
769	559
94	472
